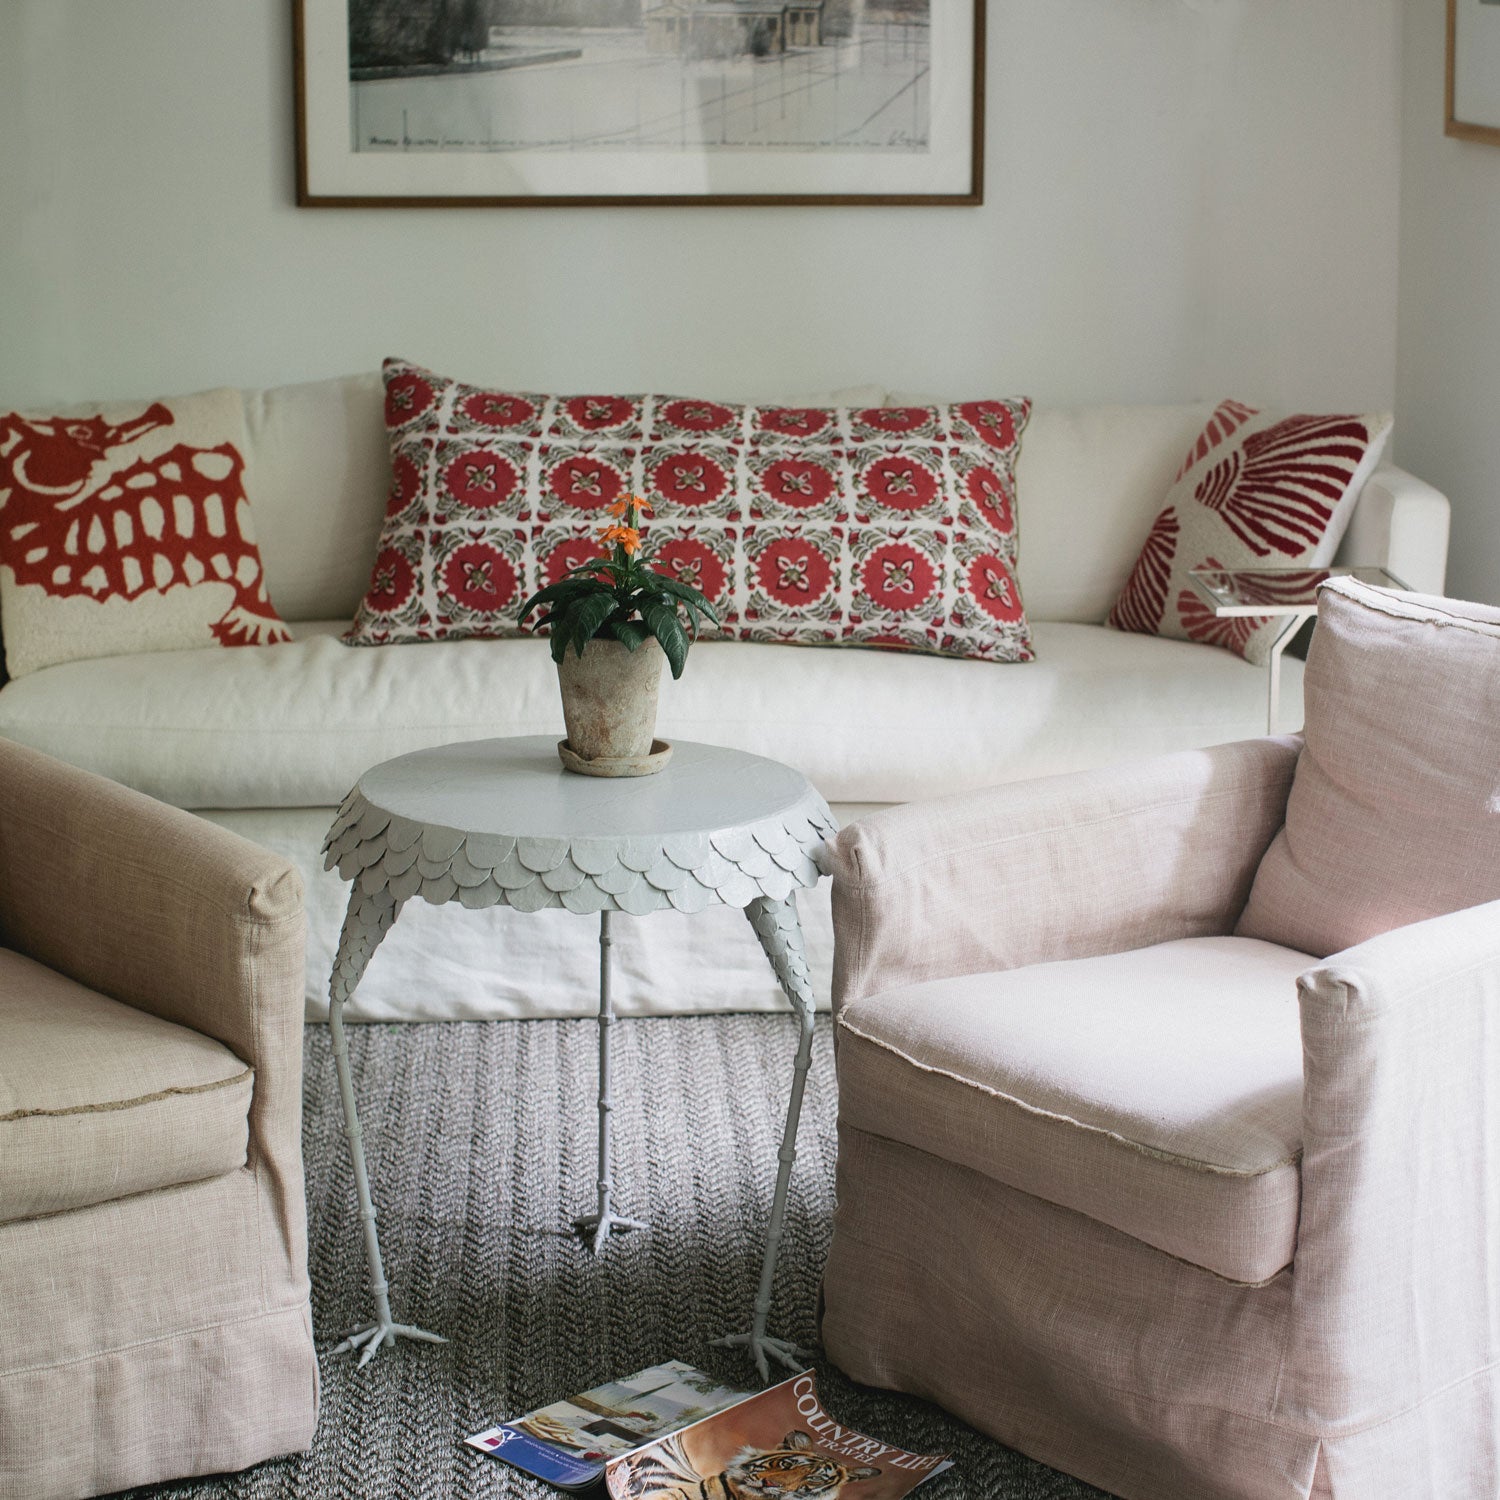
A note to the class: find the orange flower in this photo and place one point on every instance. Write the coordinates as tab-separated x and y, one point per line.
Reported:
620	506
627	536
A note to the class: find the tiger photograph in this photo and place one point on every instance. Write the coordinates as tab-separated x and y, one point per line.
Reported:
778	1445
795	1468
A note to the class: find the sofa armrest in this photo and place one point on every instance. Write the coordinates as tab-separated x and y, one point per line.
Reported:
150	905
1400	523
1397	1263
1068	866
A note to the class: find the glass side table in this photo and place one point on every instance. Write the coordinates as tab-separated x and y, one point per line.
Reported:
1266	592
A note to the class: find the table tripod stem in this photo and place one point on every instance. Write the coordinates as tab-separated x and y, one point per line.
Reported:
604	1221
606	1103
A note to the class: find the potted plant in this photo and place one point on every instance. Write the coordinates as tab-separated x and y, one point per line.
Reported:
621	618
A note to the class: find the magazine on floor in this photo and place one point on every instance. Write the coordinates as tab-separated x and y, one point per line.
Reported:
779	1443
673	1430
569	1442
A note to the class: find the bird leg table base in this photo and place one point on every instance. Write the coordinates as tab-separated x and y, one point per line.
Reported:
370	917
780	934
367	921
596	1228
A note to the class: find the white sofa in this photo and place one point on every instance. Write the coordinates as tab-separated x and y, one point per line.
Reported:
267	740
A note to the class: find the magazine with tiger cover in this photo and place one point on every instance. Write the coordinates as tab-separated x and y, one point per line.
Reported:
568	1442
779	1445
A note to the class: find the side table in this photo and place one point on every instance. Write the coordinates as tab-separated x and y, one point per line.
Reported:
495	822
1261	592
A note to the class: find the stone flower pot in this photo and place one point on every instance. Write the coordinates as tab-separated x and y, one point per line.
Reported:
609	706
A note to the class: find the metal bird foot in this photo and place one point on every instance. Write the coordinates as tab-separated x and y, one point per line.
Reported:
595	1229
374	1335
793	1356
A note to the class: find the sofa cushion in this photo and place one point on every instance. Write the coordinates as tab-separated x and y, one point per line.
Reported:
98	1100
295	726
127	528
1394	813
1158	1091
871	525
1255	490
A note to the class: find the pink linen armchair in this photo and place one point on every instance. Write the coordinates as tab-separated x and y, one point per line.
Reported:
154	1315
1187	1212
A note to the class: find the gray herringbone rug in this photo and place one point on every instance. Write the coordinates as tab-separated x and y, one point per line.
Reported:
480	1139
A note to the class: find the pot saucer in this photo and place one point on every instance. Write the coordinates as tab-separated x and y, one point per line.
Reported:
625	765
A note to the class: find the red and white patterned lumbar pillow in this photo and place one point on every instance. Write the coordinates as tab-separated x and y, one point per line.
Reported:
808	525
127	528
1255	491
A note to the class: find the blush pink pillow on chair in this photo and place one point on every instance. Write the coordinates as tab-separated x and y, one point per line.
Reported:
1394	813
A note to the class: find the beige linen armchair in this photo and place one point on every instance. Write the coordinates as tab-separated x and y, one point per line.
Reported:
1185	1211
154	1317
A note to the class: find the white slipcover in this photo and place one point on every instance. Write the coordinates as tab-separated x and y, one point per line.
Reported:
271	738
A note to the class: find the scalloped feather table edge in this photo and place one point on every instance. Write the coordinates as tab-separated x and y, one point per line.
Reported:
500	822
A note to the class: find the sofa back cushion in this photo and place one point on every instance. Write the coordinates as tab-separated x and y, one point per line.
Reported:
318	470
1394	813
1088	481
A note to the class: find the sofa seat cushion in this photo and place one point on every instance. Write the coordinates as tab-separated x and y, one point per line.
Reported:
99	1100
296	725
1158	1091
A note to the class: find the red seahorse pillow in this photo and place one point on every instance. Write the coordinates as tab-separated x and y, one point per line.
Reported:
126	528
1255	491
870	526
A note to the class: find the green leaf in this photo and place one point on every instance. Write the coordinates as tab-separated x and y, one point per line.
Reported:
689	596
555	593
585	618
663	623
667	601
631	634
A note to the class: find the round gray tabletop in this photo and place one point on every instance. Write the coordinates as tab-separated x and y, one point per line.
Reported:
493	822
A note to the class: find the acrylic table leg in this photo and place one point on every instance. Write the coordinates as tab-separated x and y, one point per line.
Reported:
604	1221
780	934
1273	683
368	919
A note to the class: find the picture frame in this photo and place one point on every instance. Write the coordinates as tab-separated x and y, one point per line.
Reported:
1472	75
438	104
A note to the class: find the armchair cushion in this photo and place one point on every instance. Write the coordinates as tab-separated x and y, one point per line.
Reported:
99	1100
1394	813
1158	1090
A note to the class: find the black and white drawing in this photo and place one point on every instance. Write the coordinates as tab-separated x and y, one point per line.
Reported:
517	100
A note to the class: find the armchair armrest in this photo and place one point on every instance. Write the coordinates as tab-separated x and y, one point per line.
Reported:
1398	1247
151	906
1400	523
1064	867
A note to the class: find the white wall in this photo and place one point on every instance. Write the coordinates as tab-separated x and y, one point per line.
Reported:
1185	199
1448	369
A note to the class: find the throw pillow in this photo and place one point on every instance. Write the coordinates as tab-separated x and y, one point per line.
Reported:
1393	814
126	528
1255	490
869	526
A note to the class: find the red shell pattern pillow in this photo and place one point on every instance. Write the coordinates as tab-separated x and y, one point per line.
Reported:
815	526
128	529
1255	491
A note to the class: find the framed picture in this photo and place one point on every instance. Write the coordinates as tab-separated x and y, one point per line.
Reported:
1473	75
512	103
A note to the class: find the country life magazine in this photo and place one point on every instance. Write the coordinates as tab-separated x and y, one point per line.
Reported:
779	1443
672	1432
